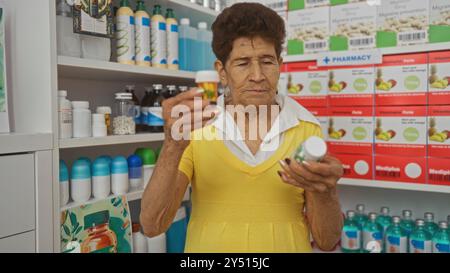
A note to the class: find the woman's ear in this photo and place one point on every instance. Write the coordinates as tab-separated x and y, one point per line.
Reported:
220	68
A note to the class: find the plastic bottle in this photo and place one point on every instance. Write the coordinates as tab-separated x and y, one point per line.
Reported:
407	223
172	40
372	235
182	89
119	175
211	58
420	239
135	171
171	91
430	225
155	121
157	244
106	111
139	240
176	234
125	34
81	119
441	239
396	237
101	178
158	39
68	42
137	107
202	39
80	184
99	126
64	115
148	158
351	234
361	216
384	219
142	32
313	149
185	45
63	183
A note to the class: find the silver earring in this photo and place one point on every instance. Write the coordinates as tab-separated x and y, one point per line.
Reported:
226	91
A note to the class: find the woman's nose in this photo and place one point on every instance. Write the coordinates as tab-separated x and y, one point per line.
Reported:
256	72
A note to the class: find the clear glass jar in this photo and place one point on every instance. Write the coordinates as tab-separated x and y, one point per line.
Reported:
125	112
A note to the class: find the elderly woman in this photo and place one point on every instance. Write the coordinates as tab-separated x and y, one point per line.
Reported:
247	194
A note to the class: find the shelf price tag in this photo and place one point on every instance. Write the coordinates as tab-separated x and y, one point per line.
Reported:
350	58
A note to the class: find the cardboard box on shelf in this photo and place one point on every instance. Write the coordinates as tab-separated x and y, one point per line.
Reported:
401	169
401	131
439	171
308	31
439	21
356	166
439	79
350	130
402	23
306	4
349	86
307	83
439	131
353	27
341	2
402	80
322	115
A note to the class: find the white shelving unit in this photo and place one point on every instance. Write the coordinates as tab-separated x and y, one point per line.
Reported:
21	142
109	140
395	185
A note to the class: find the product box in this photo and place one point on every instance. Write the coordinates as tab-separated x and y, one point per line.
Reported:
439	131
340	2
353	27
282	84
439	171
402	80
350	86
439	79
322	115
401	169
402	23
356	166
306	4
307	83
308	31
350	130
401	131
439	21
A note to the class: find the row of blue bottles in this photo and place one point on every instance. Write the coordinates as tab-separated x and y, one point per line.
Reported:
195	51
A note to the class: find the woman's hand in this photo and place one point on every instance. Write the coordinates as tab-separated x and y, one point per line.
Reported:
315	177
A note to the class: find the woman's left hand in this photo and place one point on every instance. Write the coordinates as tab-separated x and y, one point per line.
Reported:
315	177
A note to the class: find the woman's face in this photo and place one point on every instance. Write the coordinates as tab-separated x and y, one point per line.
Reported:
251	72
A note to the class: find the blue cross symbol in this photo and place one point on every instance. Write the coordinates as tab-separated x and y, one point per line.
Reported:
326	60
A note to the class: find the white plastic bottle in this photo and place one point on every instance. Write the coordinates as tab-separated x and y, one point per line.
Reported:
101	178
142	35
125	34
139	240
158	39
63	183
68	42
80	184
81	119
172	40
64	115
313	149
99	125
119	175
157	244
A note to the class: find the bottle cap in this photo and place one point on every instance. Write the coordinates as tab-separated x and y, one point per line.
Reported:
147	156
96	219
407	213
63	171
62	93
119	165
372	216
429	216
157	86
360	208
124	96
81	170
202	25
134	161
185	21
104	110
207	76
80	104
100	167
315	147
420	222
396	219
443	225
106	158
350	214
384	210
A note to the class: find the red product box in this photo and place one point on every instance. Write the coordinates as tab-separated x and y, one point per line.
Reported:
439	78
401	169
356	166
439	131
307	83
350	130
322	115
402	80
401	131
439	171
352	85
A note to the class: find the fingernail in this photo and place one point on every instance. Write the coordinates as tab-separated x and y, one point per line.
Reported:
306	163
279	173
288	161
200	90
282	162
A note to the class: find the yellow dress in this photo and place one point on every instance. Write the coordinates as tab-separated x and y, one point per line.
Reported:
240	208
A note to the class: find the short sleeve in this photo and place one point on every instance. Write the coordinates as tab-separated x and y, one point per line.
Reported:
187	162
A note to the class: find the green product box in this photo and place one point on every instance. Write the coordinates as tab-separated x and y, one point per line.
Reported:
306	4
439	21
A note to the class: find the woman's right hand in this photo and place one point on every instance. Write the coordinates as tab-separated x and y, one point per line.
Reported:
184	113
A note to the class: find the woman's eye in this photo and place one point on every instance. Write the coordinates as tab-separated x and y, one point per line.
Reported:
242	64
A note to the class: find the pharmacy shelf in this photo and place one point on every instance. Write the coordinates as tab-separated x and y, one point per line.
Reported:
135	194
196	13
394	185
109	140
86	69
21	143
384	51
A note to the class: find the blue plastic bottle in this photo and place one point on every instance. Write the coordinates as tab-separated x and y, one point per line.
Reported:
351	234
420	239
63	183
361	218
372	235
185	44
430	225
396	237
441	239
176	234
204	46
385	220
135	171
